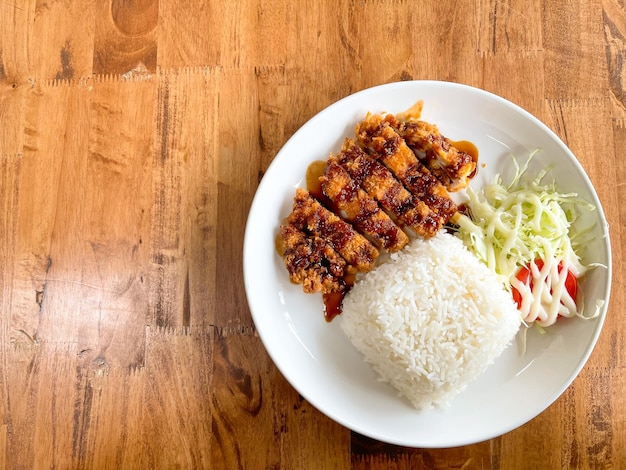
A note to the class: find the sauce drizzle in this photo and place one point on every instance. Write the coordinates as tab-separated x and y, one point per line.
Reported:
313	173
470	149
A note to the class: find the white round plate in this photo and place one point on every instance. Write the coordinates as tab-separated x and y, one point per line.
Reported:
316	357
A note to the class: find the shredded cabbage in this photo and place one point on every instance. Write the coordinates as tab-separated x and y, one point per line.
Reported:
510	225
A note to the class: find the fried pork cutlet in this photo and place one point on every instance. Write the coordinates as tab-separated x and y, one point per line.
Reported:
360	209
381	140
310	216
312	262
381	185
452	166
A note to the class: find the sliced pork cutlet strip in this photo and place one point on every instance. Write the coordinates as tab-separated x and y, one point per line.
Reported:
452	166
360	209
424	185
381	140
381	185
309	215
312	262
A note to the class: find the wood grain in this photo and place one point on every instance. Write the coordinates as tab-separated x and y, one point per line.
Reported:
133	136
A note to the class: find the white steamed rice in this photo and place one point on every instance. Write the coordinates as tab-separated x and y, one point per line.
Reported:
430	320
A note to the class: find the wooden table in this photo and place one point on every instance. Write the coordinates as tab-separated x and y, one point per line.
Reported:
133	135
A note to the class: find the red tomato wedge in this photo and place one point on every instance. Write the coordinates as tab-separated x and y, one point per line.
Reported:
525	277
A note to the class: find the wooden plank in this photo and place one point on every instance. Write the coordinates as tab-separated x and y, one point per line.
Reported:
588	437
67	30
445	35
510	29
614	353
185	187
241	389
543	435
613	15
175	413
527	90
237	173
251	402
252	33
115	208
65	216
43	391
389	22
617	421
12	106
49	224
574	50
180	43
78	216
14	74
125	38
580	434
114	405
368	453
16	18
9	196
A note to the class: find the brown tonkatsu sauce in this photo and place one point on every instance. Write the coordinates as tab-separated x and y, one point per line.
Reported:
469	148
313	173
334	300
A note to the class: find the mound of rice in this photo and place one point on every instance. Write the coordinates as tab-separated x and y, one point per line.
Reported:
430	320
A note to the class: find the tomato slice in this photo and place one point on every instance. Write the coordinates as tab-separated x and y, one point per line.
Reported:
571	284
525	277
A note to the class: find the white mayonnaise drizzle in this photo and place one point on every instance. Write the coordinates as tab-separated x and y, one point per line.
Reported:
548	297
